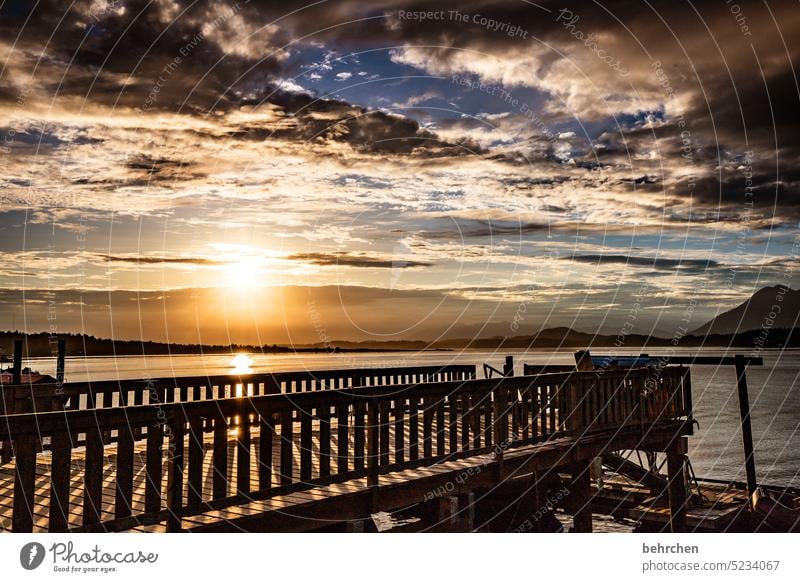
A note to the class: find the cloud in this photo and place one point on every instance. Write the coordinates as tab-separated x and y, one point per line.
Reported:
652	263
163	260
345	259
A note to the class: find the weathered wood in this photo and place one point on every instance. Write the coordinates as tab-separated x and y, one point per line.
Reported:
243	448
305	445
747	430
153	457
265	439
93	477
123	501
220	458
413	429
453	406
373	432
427	427
342	438
359	434
440	427
286	448
175	470
60	473
385	431
324	415
194	493
452	426
676	473
186	389
24	485
580	498
399	413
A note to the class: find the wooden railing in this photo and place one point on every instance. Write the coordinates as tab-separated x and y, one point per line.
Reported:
23	398
359	432
105	394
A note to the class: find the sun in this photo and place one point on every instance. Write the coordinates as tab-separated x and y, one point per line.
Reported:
242	274
241	364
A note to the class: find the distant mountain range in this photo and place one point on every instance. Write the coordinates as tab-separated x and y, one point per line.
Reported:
775	307
740	327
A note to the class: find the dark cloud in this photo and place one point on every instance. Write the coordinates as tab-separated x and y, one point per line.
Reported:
345	259
698	265
484	228
150	260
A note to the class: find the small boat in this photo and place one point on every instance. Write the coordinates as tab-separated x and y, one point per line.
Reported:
781	512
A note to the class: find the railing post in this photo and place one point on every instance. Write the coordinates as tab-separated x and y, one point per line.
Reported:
500	428
175	473
373	433
24	484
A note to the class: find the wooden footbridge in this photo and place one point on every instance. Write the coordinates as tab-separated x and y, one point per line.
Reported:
314	450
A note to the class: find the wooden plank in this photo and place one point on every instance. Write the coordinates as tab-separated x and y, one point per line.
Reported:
220	458
286	448
175	470
385	431
305	445
399	429
475	420
24	485
524	411
153	464
194	493
243	449
265	438
324	414
453	422
413	429
427	428
61	464
359	434
123	501
93	477
465	418
342	438
373	431
440	427
487	426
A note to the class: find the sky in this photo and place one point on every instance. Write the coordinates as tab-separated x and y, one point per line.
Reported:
289	172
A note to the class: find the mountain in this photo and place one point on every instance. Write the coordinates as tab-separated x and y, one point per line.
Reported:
775	307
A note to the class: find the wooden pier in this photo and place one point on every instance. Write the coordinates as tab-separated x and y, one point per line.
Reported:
299	452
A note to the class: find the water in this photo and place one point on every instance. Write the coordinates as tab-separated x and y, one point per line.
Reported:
715	450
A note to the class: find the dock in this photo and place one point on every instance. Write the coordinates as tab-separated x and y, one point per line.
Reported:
330	450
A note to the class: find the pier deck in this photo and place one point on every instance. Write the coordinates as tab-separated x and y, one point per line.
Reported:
281	462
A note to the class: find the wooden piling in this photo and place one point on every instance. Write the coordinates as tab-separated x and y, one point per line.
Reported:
581	499
508	368
16	370
676	473
747	430
60	361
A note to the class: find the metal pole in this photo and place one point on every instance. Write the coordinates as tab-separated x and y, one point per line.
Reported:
747	430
